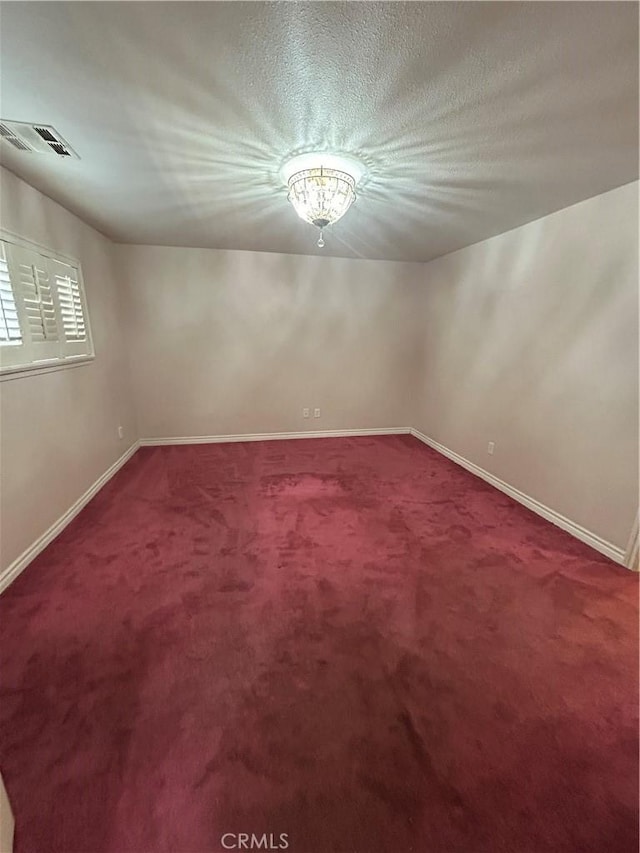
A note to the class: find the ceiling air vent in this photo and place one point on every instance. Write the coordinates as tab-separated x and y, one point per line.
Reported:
35	138
5	133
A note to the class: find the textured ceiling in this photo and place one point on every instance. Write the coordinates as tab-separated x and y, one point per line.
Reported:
472	118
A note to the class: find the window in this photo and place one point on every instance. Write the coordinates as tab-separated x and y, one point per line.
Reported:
43	311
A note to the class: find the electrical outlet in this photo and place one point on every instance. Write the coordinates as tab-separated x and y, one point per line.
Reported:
305	413
491	447
120	432
316	413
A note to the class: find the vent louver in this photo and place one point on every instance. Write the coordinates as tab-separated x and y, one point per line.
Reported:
35	138
11	138
59	149
45	133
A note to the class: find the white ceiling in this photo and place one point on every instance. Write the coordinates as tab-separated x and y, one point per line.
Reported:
472	118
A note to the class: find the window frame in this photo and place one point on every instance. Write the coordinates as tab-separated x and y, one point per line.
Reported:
17	371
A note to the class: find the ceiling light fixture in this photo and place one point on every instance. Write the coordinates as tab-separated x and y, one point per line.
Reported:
322	187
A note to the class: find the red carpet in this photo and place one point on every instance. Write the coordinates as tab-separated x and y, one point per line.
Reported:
350	641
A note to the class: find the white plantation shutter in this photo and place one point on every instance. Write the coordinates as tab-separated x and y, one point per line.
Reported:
43	314
10	334
33	293
14	351
66	283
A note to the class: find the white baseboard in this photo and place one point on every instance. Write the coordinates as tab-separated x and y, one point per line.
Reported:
632	554
20	563
271	436
607	548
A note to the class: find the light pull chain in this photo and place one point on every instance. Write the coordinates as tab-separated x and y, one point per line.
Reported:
320	240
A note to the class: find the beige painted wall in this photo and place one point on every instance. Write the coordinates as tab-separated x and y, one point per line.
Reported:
58	430
227	342
530	340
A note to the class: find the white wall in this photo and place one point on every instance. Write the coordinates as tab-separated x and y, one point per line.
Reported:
59	429
530	339
227	342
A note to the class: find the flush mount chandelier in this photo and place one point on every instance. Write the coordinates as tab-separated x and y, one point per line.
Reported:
322	187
